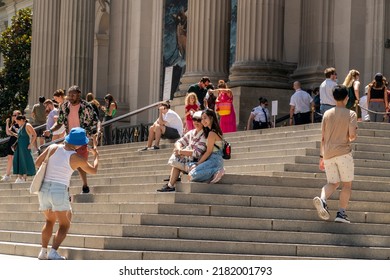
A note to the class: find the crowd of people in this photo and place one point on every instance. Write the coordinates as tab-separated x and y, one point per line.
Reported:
68	115
370	105
198	135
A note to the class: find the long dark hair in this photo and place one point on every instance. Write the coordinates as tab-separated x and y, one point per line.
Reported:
110	99
214	126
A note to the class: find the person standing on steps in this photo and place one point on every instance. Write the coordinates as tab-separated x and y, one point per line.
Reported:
301	103
338	126
39	116
11	128
200	89
109	110
259	117
76	112
54	194
23	162
326	90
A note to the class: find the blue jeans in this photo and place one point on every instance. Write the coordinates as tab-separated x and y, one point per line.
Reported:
205	171
325	107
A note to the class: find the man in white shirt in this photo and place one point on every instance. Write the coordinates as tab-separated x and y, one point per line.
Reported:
363	106
326	90
300	105
168	126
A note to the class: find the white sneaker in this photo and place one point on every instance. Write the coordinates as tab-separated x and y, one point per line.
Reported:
5	178
19	180
53	255
42	254
322	208
218	176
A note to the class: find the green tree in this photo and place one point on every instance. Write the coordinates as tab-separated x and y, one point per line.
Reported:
15	46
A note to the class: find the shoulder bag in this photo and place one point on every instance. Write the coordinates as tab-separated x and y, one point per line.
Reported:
37	181
226	148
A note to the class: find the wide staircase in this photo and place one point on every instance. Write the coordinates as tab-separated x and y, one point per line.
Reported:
261	209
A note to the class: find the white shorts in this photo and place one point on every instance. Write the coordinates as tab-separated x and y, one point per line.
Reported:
339	169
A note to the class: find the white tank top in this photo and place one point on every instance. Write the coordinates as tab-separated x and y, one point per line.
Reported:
58	168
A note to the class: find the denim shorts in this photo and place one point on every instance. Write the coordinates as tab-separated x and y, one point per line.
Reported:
54	196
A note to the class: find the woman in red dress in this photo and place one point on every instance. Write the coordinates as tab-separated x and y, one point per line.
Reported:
225	108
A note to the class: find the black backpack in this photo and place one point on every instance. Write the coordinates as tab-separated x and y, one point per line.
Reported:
226	149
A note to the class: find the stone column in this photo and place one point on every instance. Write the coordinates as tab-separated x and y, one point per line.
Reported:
207	41
100	77
259	51
316	42
374	53
76	44
119	50
44	50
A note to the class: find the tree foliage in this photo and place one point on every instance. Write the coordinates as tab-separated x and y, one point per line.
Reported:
15	47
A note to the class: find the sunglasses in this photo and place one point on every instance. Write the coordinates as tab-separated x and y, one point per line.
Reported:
196	120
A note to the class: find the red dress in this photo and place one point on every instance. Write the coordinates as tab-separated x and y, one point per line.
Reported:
227	122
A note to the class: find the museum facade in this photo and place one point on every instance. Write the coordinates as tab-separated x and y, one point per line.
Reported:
259	46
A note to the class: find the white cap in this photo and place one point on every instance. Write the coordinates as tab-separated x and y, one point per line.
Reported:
197	115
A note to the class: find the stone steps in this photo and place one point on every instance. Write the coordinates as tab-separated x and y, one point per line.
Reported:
261	209
347	247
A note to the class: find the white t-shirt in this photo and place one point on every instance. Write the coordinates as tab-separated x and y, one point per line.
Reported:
363	103
301	101
173	120
326	92
50	122
259	115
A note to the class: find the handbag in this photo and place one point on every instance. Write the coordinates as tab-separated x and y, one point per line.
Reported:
178	162
37	181
224	108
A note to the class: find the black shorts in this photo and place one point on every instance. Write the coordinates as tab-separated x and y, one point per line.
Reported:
170	133
40	131
8	150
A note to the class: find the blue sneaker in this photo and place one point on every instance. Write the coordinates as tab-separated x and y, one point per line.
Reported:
322	208
342	218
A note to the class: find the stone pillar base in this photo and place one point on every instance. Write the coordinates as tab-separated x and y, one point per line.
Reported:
246	98
310	77
261	74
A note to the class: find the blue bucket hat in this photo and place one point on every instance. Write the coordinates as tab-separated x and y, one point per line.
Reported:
77	137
